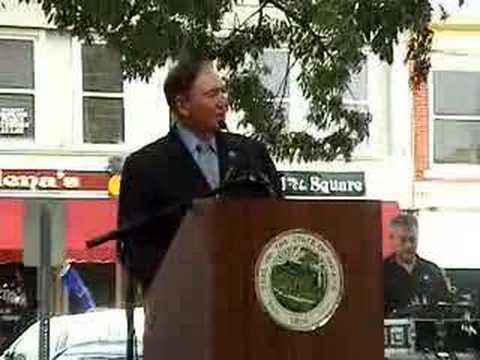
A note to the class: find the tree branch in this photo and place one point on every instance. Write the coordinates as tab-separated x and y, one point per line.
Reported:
290	15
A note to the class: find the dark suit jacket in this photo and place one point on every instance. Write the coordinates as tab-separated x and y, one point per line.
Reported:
400	287
163	174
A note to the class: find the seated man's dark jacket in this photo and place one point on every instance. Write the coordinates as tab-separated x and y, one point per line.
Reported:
163	174
401	289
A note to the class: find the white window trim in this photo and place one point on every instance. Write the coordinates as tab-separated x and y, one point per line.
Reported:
445	171
362	102
365	150
107	95
77	135
36	37
350	102
17	91
284	100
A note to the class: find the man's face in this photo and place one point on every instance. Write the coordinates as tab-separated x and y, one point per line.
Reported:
205	105
405	241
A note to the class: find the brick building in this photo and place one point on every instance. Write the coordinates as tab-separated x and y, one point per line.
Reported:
446	135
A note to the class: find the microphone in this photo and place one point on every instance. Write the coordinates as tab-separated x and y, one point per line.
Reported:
242	172
243	180
239	162
232	170
222	125
237	186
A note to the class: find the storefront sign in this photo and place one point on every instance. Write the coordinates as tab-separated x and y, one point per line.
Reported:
13	121
47	180
299	183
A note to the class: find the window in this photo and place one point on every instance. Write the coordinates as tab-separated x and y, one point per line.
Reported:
456	117
103	115
356	97
276	78
17	115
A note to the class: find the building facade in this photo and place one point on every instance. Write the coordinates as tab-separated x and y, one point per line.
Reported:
447	144
66	115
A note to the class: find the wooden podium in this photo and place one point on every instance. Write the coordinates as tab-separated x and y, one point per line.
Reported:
203	300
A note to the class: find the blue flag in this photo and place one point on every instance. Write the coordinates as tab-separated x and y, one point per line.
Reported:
75	286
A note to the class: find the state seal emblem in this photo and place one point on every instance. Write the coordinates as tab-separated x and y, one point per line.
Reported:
299	280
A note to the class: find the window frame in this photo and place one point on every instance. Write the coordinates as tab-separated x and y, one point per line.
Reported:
360	103
78	138
34	37
453	170
366	150
295	98
285	100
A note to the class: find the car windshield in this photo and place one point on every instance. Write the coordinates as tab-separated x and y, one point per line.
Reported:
94	334
97	350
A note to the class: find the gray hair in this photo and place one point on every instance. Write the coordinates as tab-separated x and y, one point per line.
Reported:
405	220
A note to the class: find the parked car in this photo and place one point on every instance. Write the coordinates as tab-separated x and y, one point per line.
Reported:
96	350
98	330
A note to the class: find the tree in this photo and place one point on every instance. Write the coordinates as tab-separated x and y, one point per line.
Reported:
326	39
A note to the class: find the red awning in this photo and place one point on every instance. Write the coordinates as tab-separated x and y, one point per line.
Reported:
11	230
389	211
85	219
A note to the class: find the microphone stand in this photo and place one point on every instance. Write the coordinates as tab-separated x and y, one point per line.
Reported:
119	233
182	205
131	354
131	286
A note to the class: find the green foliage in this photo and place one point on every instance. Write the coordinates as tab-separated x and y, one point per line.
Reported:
327	39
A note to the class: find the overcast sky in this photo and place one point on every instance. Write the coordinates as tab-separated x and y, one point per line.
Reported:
452	5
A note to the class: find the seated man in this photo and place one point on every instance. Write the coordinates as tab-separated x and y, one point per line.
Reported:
408	278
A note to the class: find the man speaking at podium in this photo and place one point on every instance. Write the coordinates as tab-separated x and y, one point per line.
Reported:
191	161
